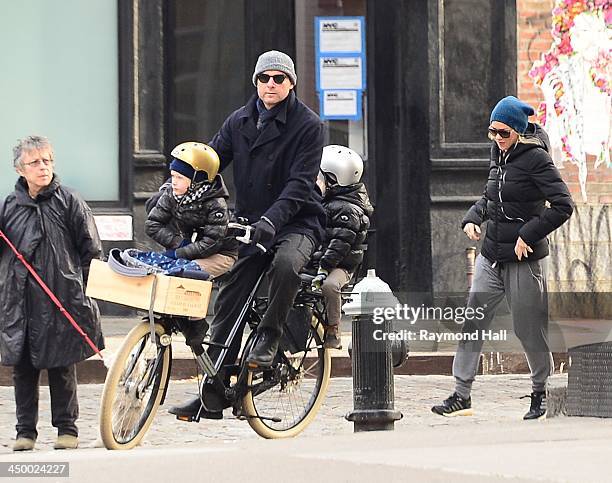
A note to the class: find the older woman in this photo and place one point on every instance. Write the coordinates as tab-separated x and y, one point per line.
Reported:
522	179
54	229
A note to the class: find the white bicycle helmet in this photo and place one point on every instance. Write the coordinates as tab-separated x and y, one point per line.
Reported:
344	163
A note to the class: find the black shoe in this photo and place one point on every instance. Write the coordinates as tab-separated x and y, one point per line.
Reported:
194	331
192	410
537	409
455	405
264	351
332	338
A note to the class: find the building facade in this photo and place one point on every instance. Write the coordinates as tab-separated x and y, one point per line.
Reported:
434	70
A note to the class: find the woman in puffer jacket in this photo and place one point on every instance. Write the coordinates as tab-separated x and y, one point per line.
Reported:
525	199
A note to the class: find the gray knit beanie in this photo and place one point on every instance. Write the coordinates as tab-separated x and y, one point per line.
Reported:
275	60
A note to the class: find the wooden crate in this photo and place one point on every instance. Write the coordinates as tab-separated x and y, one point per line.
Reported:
173	295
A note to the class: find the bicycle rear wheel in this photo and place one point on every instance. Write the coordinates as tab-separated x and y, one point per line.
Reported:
134	387
292	391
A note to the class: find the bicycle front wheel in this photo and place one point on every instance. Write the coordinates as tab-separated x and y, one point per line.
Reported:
283	400
134	387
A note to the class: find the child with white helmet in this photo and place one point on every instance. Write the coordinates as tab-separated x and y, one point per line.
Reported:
348	210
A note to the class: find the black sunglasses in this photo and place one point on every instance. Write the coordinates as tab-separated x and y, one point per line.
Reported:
504	133
278	78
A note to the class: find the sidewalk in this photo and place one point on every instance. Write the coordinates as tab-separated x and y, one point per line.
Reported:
424	357
493	445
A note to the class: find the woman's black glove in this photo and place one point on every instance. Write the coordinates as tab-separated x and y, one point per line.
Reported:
264	231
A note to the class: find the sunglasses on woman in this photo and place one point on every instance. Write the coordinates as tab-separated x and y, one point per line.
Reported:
277	78
504	133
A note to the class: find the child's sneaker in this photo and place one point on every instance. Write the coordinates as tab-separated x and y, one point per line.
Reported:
332	338
537	409
455	405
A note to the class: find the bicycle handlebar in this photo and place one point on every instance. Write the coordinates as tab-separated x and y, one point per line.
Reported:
246	238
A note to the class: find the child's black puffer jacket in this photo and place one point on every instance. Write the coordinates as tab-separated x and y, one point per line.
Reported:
348	210
172	224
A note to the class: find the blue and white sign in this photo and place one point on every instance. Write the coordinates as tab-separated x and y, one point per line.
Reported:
340	66
341	73
340	35
341	105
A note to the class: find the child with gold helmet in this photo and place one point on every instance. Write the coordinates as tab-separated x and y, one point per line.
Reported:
190	217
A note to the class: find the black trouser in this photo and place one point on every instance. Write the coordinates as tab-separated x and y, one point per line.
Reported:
291	253
63	390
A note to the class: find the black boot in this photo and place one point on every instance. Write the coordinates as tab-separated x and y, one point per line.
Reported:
192	410
264	351
537	409
194	331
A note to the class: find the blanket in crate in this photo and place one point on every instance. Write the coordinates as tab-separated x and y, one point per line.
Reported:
154	262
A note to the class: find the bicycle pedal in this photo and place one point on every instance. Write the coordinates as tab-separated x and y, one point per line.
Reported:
189	419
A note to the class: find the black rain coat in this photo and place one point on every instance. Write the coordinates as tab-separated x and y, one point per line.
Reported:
57	235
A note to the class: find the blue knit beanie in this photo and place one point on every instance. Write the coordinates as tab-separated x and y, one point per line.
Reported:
512	112
187	170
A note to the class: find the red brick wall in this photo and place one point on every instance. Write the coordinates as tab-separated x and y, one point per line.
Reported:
534	38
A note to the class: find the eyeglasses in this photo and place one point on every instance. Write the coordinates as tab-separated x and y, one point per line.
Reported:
39	162
504	133
277	78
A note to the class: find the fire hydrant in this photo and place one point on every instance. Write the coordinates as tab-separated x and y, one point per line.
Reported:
371	359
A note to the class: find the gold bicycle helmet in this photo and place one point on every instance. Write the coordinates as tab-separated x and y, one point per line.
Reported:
199	156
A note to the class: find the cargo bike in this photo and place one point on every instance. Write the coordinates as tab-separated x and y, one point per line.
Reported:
277	402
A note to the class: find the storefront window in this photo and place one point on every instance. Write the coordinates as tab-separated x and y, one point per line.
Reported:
60	80
206	61
348	133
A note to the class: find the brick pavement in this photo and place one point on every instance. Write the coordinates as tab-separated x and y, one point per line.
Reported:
495	401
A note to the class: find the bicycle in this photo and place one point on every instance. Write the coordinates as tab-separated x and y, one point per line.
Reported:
277	402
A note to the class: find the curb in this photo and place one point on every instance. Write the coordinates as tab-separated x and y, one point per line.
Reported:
92	371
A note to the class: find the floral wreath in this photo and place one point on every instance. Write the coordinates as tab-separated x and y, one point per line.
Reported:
564	13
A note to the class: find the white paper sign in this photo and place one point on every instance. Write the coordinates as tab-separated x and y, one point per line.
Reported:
114	227
341	73
338	35
340	103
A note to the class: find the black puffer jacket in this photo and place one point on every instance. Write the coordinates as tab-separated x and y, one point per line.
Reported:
514	199
348	210
57	235
169	223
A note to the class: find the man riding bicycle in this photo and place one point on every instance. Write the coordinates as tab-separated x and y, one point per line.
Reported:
275	143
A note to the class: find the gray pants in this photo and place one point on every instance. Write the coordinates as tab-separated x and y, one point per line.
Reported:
524	286
331	289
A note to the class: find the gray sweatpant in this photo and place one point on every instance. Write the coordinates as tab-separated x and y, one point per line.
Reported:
524	285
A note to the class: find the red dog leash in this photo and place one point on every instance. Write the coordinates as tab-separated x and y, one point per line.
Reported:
51	295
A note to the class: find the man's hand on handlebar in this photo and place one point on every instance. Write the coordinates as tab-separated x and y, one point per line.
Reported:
264	231
244	234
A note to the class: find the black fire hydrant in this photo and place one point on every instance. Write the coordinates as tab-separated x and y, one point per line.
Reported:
372	360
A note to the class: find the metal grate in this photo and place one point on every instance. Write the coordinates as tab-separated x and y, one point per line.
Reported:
589	387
